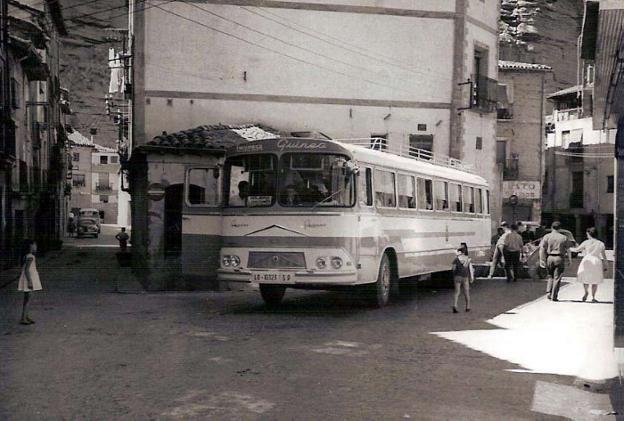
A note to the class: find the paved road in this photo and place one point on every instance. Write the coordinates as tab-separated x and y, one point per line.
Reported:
96	354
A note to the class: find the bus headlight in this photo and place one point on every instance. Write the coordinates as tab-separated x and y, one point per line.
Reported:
321	263
235	261
336	262
226	261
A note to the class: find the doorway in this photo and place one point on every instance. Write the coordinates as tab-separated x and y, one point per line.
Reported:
173	219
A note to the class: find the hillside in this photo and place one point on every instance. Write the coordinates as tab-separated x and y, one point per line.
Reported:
538	31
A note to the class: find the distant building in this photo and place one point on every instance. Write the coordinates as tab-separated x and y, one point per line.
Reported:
520	138
579	177
94	177
33	161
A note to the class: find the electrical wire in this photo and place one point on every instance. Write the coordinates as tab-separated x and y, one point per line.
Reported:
346	63
272	50
345	46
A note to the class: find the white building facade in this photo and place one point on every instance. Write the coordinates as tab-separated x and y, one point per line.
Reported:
419	73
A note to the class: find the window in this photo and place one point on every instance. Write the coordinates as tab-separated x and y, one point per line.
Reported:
384	189
441	195
501	152
421	145
407	192
309	179
251	180
114	159
366	187
78	180
103	159
16	91
468	196
610	186
422	127
103	198
479	201
455	197
76	157
504	108
479	143
202	187
487	202
379	142
425	194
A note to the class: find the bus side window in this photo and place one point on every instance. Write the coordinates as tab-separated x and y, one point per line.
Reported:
366	187
384	189
487	202
407	192
455	197
425	194
202	187
469	199
479	201
441	195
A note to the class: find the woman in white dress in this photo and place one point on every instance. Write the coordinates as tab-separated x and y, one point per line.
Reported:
593	265
29	279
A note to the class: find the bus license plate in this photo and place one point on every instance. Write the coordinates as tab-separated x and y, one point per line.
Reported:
277	277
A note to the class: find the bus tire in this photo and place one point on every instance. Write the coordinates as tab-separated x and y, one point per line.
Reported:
272	294
379	292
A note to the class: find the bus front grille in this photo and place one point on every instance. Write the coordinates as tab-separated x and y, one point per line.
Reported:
276	260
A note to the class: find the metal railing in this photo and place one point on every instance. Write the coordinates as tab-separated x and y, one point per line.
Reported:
576	200
511	170
103	188
409	152
505	113
484	93
568	114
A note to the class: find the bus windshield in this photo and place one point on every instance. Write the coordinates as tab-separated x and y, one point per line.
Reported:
252	180
322	180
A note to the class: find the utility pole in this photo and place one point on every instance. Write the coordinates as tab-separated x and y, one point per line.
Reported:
618	275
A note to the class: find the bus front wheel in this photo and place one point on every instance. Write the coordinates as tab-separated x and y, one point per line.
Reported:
272	294
379	293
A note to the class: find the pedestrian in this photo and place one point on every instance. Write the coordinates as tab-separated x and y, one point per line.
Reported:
553	249
512	248
496	255
464	247
593	265
29	278
123	238
463	276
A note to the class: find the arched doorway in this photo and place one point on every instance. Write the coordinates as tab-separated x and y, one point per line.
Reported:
173	219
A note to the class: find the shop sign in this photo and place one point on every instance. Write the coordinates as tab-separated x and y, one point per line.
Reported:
522	189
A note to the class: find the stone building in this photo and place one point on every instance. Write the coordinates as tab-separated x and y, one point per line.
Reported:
579	178
520	138
95	177
32	143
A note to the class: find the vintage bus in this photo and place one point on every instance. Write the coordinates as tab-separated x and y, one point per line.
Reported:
326	214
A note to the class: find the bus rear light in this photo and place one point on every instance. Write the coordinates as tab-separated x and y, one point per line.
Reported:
230	261
235	261
225	261
321	263
336	262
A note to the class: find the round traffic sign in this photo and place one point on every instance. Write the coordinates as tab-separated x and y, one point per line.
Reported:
155	191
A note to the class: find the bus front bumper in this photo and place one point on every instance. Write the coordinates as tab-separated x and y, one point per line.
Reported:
298	278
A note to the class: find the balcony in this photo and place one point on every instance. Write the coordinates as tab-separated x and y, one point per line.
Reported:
576	200
484	94
568	114
103	188
511	169
505	113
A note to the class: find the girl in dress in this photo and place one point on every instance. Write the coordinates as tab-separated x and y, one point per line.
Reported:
29	278
593	265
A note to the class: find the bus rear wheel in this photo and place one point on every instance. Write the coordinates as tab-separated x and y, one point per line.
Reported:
379	292
272	294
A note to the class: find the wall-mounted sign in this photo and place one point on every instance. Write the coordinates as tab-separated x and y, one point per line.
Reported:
522	189
156	191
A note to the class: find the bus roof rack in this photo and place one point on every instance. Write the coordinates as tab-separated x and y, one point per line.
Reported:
380	144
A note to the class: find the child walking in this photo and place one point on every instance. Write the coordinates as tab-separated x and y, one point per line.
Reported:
463	276
29	278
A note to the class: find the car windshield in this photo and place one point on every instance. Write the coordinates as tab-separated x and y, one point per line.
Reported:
251	180
315	180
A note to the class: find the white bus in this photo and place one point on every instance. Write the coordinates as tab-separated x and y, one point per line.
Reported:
324	214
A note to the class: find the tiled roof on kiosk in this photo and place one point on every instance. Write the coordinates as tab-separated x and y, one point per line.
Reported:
213	137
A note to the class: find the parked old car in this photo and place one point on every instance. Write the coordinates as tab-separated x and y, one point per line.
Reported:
530	255
88	226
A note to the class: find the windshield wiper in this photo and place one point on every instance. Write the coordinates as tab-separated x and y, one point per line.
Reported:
329	197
